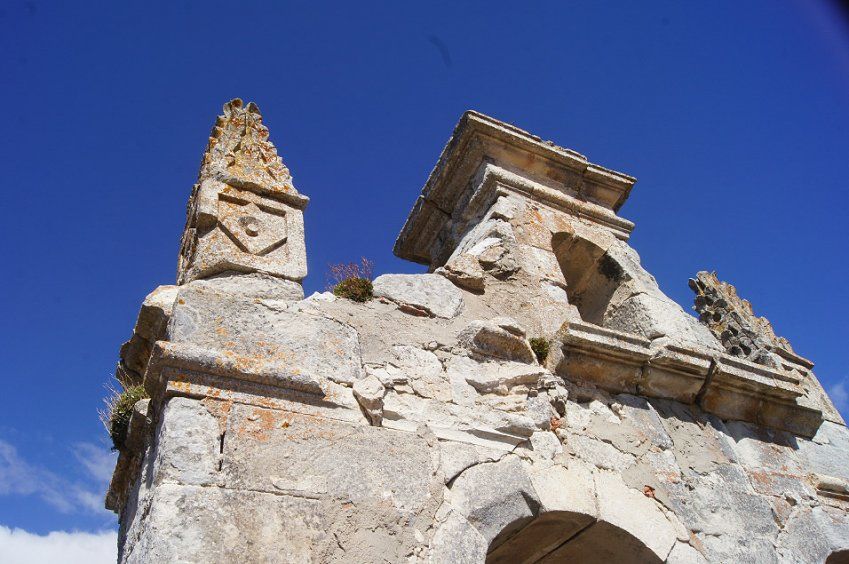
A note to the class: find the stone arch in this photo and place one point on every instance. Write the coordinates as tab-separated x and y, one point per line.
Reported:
565	536
512	511
838	557
592	275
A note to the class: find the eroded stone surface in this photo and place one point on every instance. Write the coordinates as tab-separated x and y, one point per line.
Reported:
369	393
244	214
499	338
420	427
733	321
429	293
261	333
465	271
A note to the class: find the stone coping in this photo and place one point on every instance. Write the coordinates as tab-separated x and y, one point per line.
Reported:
565	175
794	358
616	361
721	384
224	363
580	333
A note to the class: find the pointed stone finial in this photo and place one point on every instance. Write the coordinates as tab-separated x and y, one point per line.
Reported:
240	154
244	214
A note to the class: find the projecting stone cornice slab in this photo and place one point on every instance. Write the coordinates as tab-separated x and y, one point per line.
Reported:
484	153
496	181
259	370
729	387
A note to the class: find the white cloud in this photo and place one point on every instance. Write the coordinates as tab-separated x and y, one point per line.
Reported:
21	547
99	462
840	396
19	477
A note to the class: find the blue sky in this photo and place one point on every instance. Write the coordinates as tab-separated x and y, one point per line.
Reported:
732	116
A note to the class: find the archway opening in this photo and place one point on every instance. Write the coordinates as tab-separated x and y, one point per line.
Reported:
839	557
563	536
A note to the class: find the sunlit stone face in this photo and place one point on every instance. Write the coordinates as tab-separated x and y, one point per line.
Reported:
256	228
245	215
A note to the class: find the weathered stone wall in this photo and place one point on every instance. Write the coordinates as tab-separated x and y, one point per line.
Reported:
422	427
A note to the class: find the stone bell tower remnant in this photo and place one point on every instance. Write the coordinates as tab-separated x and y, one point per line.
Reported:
533	397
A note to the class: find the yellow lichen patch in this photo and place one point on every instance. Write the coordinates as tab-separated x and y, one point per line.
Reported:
261	421
218	409
181	386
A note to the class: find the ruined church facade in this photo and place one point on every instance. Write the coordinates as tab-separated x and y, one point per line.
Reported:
533	397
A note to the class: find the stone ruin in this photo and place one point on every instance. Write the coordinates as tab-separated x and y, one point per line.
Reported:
422	426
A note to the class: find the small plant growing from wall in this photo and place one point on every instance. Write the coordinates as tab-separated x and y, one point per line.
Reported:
352	280
540	347
119	408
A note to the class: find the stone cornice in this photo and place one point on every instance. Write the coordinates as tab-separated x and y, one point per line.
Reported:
540	170
727	386
498	181
222	363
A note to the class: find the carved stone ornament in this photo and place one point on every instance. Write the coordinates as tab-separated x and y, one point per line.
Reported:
244	214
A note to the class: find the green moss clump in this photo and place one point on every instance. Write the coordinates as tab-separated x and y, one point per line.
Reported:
540	348
120	410
356	289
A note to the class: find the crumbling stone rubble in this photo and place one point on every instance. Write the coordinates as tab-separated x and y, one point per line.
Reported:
731	319
421	427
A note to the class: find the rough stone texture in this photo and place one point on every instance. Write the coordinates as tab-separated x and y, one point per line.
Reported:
244	213
419	427
427	293
683	553
634	512
256	286
499	338
495	511
188	449
150	327
265	334
457	541
828	451
465	271
369	393
732	320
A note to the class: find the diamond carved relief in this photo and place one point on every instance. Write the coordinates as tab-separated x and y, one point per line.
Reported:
255	229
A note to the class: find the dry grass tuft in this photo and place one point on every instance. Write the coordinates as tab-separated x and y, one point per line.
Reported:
352	280
118	407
